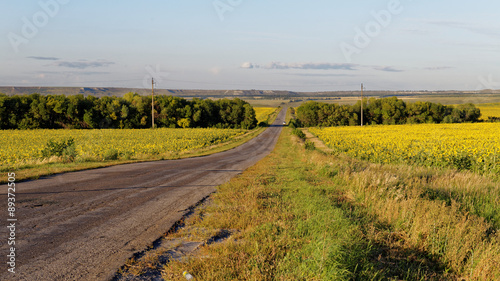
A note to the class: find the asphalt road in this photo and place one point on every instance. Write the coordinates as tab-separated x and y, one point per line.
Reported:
85	225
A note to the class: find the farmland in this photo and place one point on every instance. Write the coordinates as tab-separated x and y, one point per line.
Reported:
19	146
314	216
26	150
489	110
131	204
333	217
464	146
262	113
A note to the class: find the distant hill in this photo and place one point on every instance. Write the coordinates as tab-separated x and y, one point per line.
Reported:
119	92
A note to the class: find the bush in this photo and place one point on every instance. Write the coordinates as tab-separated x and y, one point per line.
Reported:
127	155
448	119
462	162
64	148
111	154
310	145
294	123
328	171
299	133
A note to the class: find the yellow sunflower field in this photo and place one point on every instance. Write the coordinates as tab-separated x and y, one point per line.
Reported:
18	146
262	113
463	146
489	110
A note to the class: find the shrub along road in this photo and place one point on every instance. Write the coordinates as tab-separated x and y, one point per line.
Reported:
85	225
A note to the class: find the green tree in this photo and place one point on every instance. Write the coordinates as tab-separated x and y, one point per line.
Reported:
307	113
249	119
184	123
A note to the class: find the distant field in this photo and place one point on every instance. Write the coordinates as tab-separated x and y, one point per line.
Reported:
489	110
447	100
19	146
262	113
464	146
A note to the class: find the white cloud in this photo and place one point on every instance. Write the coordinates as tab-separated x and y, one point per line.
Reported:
42	58
247	65
438	68
304	66
84	64
387	69
317	66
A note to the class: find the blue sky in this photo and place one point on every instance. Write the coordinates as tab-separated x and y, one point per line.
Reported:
241	44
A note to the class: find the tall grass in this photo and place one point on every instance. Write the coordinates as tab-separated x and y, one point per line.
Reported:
303	215
287	229
451	216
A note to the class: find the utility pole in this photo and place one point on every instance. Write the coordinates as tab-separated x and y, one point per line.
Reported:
362	104
153	102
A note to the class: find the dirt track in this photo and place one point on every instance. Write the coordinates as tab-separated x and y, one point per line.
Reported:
85	225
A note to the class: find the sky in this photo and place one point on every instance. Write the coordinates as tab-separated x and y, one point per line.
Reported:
318	45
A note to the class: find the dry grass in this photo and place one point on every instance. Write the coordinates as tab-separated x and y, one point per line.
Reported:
305	215
449	226
319	217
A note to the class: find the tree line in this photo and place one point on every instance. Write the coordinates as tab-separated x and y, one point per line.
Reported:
387	111
133	111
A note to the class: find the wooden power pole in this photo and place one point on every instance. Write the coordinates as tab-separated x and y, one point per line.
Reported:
153	102
361	104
